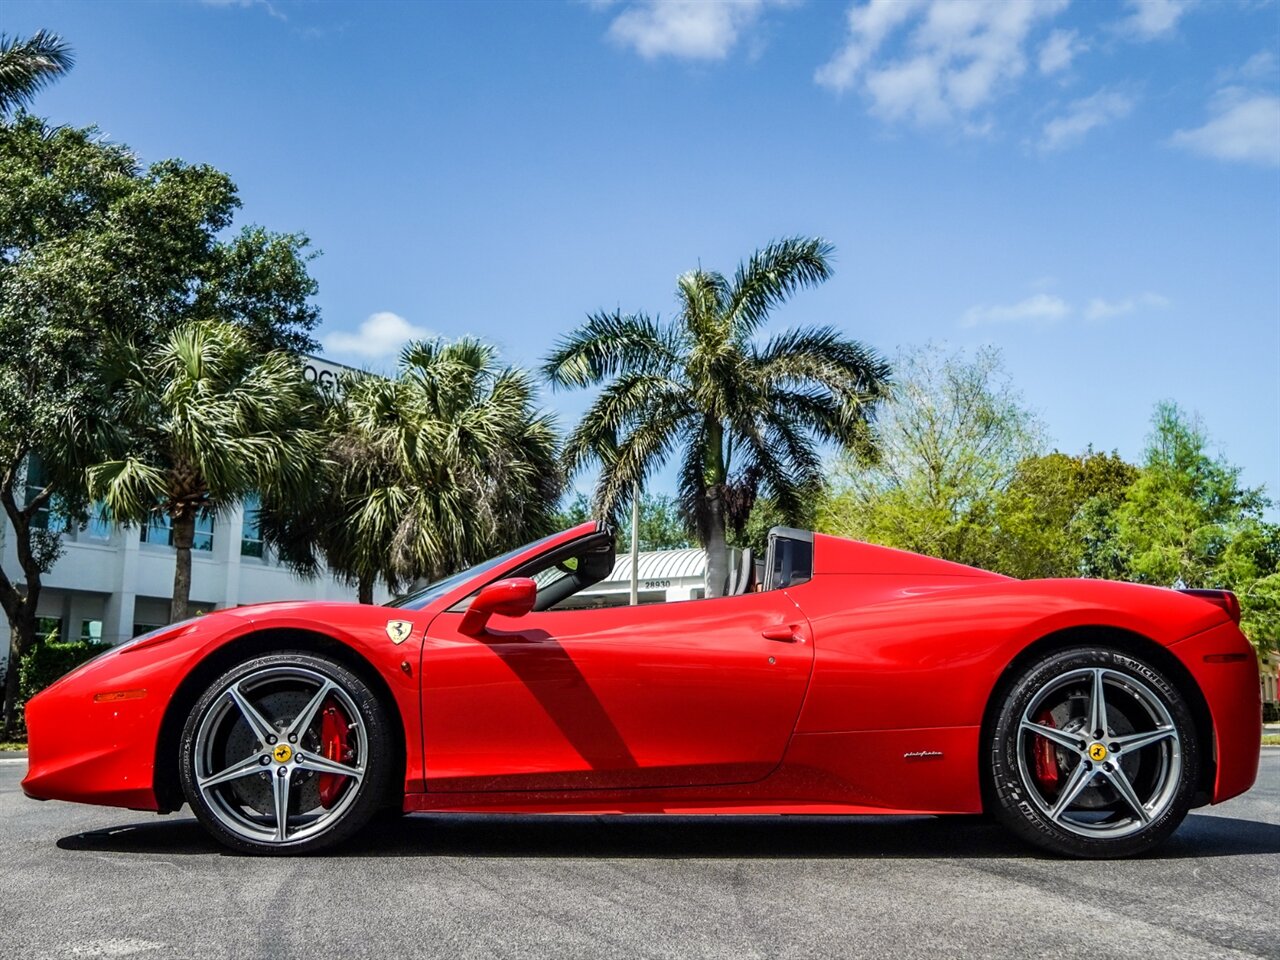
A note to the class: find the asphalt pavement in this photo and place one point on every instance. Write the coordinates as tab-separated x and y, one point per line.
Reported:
80	882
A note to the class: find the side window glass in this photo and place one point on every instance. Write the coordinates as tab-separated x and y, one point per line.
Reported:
790	559
562	579
563	574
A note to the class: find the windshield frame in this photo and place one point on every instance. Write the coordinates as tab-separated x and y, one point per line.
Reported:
479	575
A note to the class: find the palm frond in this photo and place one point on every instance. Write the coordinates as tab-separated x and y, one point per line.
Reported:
606	345
631	399
787	467
641	452
824	354
703	295
691	485
28	65
771	276
130	488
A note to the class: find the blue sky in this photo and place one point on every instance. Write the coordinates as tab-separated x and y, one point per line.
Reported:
1092	187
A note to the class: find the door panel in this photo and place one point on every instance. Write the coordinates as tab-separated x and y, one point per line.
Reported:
674	694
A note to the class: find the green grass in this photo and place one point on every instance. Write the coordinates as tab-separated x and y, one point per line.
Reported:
15	745
1271	740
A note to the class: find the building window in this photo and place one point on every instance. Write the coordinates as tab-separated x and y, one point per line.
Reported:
159	530
99	525
91	631
37	478
49	629
251	529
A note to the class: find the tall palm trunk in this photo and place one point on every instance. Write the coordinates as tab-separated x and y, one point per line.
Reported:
364	589
717	547
184	535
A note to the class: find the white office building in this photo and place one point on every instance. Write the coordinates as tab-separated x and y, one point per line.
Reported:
112	583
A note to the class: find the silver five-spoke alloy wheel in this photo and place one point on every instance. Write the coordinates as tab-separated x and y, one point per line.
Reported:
1094	751
280	753
1116	764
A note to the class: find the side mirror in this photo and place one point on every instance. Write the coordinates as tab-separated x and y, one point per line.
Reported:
510	598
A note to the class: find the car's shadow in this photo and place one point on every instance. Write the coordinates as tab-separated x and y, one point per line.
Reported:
681	838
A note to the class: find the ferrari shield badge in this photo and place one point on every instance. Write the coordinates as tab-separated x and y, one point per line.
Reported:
399	630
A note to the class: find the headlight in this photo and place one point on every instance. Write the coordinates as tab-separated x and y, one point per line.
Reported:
158	635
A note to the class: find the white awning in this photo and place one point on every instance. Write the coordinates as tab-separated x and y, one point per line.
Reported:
661	565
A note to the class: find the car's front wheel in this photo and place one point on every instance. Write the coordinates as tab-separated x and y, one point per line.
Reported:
1093	754
285	753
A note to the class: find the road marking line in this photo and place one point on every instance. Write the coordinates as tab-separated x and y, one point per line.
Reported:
13	759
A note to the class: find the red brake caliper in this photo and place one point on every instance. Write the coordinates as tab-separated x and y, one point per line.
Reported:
1046	756
334	745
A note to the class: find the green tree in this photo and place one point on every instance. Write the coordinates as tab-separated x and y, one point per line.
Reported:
764	516
951	440
426	473
93	246
1187	510
662	525
1056	517
205	419
745	416
1188	519
27	65
75	214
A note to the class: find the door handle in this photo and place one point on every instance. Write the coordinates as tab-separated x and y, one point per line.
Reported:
782	632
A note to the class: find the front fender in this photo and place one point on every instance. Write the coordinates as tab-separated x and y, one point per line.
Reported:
93	736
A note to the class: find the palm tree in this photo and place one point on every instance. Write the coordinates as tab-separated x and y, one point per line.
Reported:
205	419
746	416
27	65
428	472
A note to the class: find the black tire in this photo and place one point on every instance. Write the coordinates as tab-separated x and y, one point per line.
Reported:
1125	792
218	727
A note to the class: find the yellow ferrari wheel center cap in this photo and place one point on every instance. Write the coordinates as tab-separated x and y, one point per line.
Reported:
282	752
1097	752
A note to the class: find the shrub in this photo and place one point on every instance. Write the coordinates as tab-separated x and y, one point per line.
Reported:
1271	713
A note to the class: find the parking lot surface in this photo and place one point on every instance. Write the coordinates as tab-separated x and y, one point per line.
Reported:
90	882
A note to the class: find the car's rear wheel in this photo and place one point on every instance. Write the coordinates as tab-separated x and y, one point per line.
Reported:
1093	754
285	753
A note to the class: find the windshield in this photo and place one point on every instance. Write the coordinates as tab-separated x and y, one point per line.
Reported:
434	591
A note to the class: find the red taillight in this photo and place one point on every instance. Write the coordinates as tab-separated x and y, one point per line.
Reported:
1219	598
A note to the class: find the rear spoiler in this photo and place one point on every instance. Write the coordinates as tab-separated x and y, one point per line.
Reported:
1225	599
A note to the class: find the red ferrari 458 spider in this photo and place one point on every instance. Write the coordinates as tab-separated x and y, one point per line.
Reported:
835	678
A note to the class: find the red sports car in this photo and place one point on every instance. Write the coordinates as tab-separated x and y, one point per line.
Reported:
1088	716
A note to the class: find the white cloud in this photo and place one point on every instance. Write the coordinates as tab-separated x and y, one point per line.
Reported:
869	25
954	58
1244	127
1041	309
266	5
1260	66
1151	19
1082	116
1059	50
1099	309
686	29
381	335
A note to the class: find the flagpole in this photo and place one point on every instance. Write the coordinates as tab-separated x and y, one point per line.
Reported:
635	546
